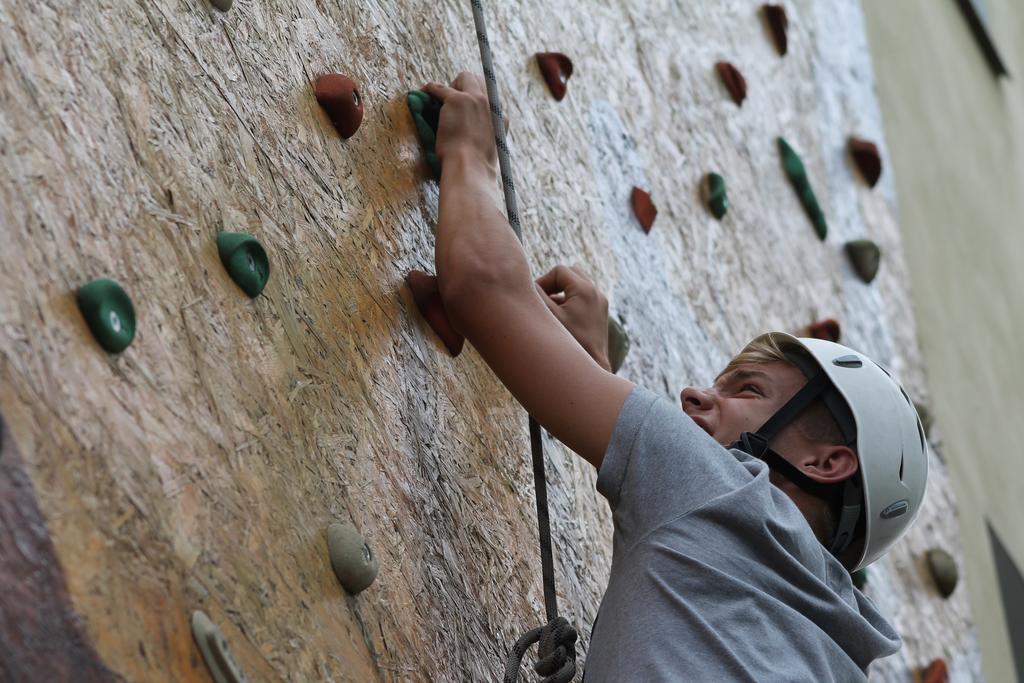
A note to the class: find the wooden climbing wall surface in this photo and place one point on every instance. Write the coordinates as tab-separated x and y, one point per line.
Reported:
200	468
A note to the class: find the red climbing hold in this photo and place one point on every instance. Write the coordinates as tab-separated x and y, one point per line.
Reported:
936	672
827	329
427	296
340	98
644	208
778	22
734	81
556	69
865	155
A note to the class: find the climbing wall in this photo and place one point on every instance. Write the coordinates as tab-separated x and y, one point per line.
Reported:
199	468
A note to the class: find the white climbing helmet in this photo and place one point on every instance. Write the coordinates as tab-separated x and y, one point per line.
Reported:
890	440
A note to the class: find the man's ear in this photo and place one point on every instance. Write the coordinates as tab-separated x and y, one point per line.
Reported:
829	463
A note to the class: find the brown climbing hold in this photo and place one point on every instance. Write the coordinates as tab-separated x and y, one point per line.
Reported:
556	69
936	672
865	155
827	329
427	296
778	22
340	98
733	80
644	208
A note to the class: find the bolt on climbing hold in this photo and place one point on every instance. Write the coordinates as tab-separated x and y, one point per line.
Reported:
222	5
865	256
556	69
108	312
244	259
797	174
733	81
643	208
351	558
935	672
827	329
618	344
715	196
426	114
865	155
943	570
778	22
214	648
427	295
859	578
340	98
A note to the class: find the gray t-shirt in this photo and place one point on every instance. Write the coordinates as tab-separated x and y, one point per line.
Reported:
716	575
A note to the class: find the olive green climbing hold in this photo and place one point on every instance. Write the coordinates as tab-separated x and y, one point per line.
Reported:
714	192
426	113
108	312
798	178
618	344
865	256
859	578
214	648
244	259
222	5
943	569
351	558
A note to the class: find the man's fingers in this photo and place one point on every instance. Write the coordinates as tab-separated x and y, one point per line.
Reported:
558	279
550	302
469	82
441	92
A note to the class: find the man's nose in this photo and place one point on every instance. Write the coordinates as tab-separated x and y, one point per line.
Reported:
702	399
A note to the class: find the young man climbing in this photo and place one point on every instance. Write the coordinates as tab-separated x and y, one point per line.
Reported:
736	518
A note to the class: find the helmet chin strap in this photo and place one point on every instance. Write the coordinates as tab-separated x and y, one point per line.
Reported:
756	444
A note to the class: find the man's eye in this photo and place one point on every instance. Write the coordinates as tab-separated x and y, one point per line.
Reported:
751	387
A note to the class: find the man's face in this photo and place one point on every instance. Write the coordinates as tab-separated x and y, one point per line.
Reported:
742	399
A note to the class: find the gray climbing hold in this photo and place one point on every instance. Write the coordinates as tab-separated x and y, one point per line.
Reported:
618	344
351	558
214	647
865	256
222	5
943	569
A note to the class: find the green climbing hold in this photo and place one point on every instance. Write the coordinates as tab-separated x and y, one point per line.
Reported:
618	344
943	569
860	578
222	5
865	256
426	113
798	178
214	648
714	192
351	558
245	260
108	312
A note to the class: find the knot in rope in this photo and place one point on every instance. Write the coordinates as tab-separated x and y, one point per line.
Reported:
557	652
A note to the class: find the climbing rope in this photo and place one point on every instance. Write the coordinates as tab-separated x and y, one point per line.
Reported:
557	638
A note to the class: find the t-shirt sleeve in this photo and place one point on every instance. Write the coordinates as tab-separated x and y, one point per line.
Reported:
660	465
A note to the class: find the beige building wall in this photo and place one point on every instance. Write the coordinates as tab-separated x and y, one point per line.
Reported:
955	135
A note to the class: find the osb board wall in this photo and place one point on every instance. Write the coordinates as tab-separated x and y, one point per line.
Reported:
200	468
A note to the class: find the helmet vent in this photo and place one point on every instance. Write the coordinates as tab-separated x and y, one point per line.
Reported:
901	467
920	433
909	402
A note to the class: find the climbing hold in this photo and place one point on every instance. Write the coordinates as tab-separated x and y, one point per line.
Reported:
798	178
925	416
214	648
943	569
859	578
244	259
222	5
865	256
644	208
108	312
351	558
427	296
733	80
340	98
935	672
556	69
865	155
827	329
714	194
775	15
618	344
426	113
